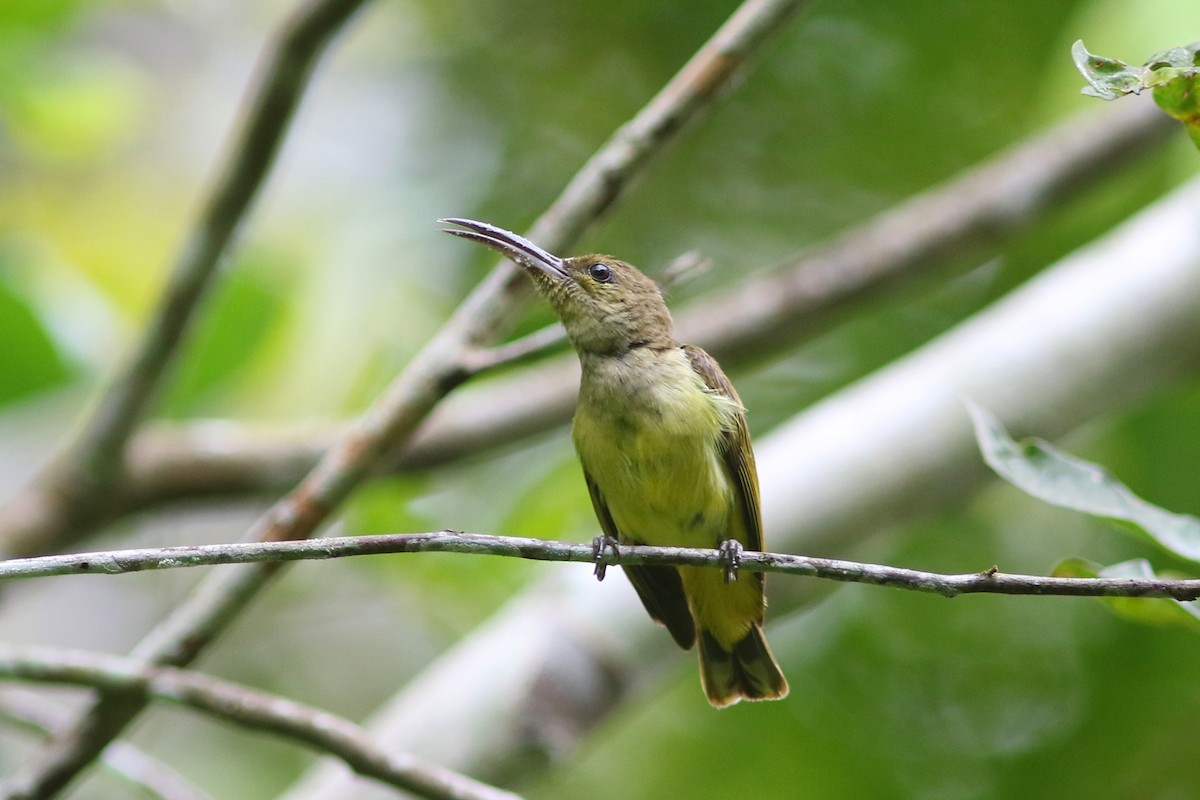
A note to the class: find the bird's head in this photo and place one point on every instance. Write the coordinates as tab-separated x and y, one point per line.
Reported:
606	305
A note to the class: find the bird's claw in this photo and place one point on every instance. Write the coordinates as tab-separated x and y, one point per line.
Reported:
599	545
731	558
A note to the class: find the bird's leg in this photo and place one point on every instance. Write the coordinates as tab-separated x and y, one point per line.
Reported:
599	545
731	558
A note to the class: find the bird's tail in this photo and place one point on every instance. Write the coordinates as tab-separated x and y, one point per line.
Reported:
748	671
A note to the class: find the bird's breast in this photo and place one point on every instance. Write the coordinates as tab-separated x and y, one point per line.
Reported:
650	435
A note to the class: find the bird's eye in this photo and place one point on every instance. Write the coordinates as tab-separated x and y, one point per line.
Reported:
600	272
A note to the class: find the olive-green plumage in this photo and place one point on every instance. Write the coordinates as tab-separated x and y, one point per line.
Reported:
662	438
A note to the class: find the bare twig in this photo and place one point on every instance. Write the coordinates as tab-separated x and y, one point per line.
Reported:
973	213
1089	338
440	366
247	708
437	369
85	488
84	484
988	581
1000	198
533	344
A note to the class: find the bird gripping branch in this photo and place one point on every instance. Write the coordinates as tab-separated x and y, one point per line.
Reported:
666	454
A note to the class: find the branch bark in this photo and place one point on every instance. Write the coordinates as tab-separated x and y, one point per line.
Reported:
247	708
83	488
1101	331
434	372
988	581
148	776
963	219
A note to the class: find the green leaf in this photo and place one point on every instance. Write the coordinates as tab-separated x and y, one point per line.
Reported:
1181	100
1108	78
1156	611
238	320
37	14
76	110
1173	74
29	359
1042	470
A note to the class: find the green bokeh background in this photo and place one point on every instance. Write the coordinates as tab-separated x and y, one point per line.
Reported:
112	115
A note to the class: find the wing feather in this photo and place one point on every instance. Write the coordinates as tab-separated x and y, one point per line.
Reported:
739	456
659	588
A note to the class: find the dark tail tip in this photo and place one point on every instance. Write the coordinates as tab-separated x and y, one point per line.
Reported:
748	672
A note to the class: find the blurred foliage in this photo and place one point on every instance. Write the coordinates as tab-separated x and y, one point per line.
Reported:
76	111
247	307
1140	609
112	115
901	695
29	360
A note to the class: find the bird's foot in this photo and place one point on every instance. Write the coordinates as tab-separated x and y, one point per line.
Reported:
731	558
599	545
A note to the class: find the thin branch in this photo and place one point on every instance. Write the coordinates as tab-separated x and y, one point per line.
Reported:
435	371
970	215
149	776
705	79
988	581
953	222
439	367
1089	338
247	708
84	483
483	359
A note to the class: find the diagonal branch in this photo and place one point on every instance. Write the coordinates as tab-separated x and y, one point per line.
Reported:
247	708
148	776
988	581
1100	332
972	214
961	219
83	483
436	370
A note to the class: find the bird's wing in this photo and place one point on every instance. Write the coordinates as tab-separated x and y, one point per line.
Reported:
660	588
739	456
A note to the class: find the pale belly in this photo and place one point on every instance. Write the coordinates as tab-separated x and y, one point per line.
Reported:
649	432
661	489
655	455
676	491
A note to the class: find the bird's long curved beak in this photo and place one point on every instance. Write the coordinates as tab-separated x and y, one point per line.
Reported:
518	248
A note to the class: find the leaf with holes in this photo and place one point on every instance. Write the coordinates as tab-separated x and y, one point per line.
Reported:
1173	75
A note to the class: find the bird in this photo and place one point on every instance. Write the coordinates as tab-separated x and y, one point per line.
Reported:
662	438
